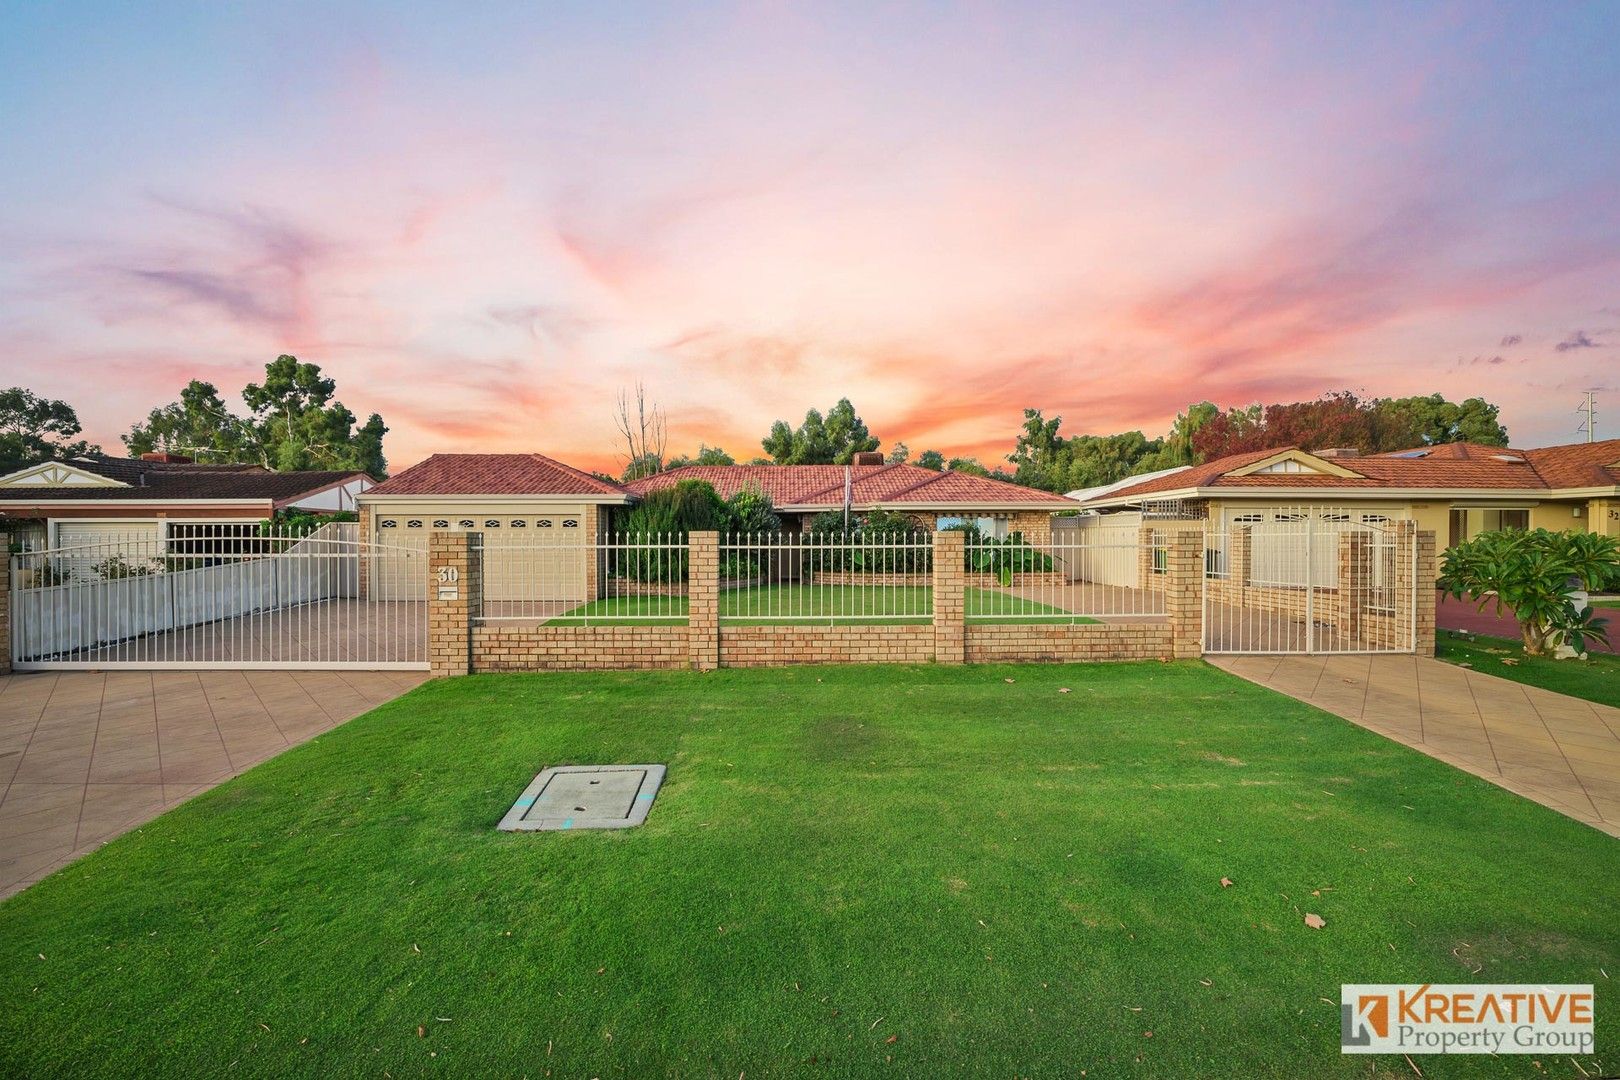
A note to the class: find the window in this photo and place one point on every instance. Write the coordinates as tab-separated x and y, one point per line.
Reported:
1336	517
947	521
414	523
440	523
1248	519
1375	519
492	523
570	523
1161	560
466	523
544	523
519	523
388	523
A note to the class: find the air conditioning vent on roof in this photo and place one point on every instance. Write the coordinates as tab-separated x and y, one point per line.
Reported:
1509	457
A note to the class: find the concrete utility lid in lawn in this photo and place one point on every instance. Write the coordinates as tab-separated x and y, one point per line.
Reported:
586	797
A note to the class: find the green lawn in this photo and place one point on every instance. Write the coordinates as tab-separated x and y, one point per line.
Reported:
908	871
1595	679
838	604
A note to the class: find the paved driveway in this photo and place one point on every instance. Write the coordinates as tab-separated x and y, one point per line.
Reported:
85	756
1561	751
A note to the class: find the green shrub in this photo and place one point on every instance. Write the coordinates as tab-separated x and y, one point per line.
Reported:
750	513
686	507
1004	558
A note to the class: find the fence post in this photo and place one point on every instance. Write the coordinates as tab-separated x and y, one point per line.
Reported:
5	603
703	600
950	572
1355	582
455	582
362	550
1184	591
1415	595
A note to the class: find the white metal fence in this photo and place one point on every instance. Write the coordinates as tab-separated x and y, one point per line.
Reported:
1311	582
219	596
856	577
1088	572
579	578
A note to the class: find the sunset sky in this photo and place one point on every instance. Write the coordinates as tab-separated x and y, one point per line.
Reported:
484	220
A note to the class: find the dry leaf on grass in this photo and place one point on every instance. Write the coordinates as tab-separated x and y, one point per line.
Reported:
1509	661
1226	883
1314	921
1006	680
1064	690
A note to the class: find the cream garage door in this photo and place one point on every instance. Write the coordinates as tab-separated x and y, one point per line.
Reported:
534	557
527	557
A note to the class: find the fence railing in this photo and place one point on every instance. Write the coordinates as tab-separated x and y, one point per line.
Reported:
584	579
213	594
826	577
1079	575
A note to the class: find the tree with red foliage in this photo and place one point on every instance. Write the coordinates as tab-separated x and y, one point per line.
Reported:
1342	419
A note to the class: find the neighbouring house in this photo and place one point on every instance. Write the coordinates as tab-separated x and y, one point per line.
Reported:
533	501
1456	490
934	500
499	494
96	499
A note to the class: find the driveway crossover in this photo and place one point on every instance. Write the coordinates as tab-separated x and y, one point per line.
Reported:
1561	751
85	756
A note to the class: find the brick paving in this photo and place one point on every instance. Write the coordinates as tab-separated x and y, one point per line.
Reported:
86	756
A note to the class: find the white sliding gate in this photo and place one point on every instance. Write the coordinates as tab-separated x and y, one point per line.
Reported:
1309	581
212	596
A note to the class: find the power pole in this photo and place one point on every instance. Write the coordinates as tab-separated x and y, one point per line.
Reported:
1588	406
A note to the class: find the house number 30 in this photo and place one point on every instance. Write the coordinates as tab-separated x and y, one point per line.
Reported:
448	574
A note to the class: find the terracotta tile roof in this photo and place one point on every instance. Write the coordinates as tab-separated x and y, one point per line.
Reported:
1460	466
872	485
1593	464
494	474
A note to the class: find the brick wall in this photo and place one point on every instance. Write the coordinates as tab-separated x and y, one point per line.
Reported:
1011	642
498	647
774	646
1184	592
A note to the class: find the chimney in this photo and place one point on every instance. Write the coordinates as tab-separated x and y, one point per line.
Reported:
867	457
1338	452
165	458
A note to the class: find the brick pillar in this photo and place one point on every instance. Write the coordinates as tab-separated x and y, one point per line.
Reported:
1146	535
1184	592
1355	580
595	556
703	600
1414	592
5	604
1427	568
1239	556
455	582
363	554
950	574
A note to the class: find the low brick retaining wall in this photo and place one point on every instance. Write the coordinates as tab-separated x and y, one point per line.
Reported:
1019	643
578	648
774	646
